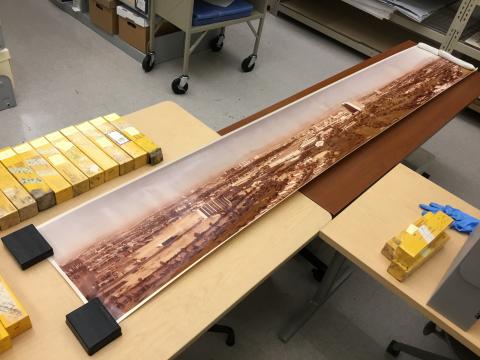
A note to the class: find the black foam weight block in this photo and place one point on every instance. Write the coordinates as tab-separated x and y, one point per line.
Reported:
27	246
93	326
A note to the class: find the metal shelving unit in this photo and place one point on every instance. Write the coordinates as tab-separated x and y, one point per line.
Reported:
448	28
460	29
347	24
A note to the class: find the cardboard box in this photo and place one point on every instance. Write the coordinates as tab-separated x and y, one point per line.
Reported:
13	316
62	188
74	176
28	178
109	166
103	13
124	160
90	169
5	66
133	28
136	152
17	195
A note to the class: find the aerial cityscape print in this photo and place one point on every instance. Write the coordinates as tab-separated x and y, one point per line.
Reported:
128	245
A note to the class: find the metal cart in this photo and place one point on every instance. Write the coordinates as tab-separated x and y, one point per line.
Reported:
180	13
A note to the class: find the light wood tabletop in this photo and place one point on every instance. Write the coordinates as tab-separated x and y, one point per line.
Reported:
361	230
184	310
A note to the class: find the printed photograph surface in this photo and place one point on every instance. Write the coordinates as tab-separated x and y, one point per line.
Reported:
130	244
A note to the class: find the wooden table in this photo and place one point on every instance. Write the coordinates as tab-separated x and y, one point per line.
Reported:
390	205
179	314
361	169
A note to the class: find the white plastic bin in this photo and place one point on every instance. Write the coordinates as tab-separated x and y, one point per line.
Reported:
133	28
5	67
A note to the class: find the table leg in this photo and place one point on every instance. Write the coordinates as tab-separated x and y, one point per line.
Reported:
319	266
332	280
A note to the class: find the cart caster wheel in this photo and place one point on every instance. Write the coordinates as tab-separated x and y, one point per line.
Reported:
217	43
180	85
391	349
249	63
148	62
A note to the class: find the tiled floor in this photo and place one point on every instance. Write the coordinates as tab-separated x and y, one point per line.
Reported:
65	73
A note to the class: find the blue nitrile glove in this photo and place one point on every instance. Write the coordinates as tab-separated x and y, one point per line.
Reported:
462	221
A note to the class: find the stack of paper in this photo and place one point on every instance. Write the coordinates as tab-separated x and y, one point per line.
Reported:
373	7
418	10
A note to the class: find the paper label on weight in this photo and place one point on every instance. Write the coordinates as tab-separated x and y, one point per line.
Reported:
25	181
131	131
111	117
69	131
36	161
94	169
22	148
39	142
119	138
98	121
7	154
64	145
56	160
85	127
411	229
8	307
20	170
55	136
49	171
426	234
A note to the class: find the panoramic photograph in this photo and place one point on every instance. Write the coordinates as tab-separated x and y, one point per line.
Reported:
128	245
